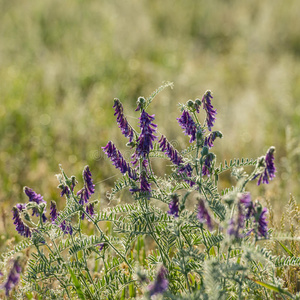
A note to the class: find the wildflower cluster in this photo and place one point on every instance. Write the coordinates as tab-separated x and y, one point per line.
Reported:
203	239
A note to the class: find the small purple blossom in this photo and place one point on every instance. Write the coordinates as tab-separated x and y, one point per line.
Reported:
67	229
101	246
21	228
38	199
208	141
245	199
160	284
173	206
269	171
146	138
126	129
206	169
203	215
145	185
65	191
21	206
210	112
188	125
90	209
262	223
53	212
237	224
13	278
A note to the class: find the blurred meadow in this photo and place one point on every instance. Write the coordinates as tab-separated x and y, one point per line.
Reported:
63	62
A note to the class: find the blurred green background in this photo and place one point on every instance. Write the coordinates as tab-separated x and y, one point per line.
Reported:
63	62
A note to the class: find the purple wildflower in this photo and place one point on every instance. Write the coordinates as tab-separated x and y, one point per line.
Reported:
38	199
203	215
66	228
174	156
53	212
206	169
146	138
126	129
101	246
235	225
87	177
245	199
88	189
173	205
90	209
160	284
210	112
13	278
262	223
65	191
118	161
21	228
145	185
208	141
21	206
269	171
188	125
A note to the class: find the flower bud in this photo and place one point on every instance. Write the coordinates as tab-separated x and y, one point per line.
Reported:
198	102
204	151
190	103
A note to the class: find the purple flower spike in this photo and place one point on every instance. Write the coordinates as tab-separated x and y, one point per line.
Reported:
88	189
13	278
90	210
269	171
245	199
206	169
203	215
87	177
160	284
262	223
145	185
146	138
118	161
174	208
174	156
53	212
188	125
38	199
210	112
126	129
21	228
33	196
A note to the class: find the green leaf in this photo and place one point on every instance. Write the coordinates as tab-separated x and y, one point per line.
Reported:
77	284
288	251
271	287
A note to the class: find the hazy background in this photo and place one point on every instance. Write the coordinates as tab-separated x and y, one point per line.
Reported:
63	62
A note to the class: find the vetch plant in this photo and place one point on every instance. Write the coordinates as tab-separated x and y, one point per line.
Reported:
177	237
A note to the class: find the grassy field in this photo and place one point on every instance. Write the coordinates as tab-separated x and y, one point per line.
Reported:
63	62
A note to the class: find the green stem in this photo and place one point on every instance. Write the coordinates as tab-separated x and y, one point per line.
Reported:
161	250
